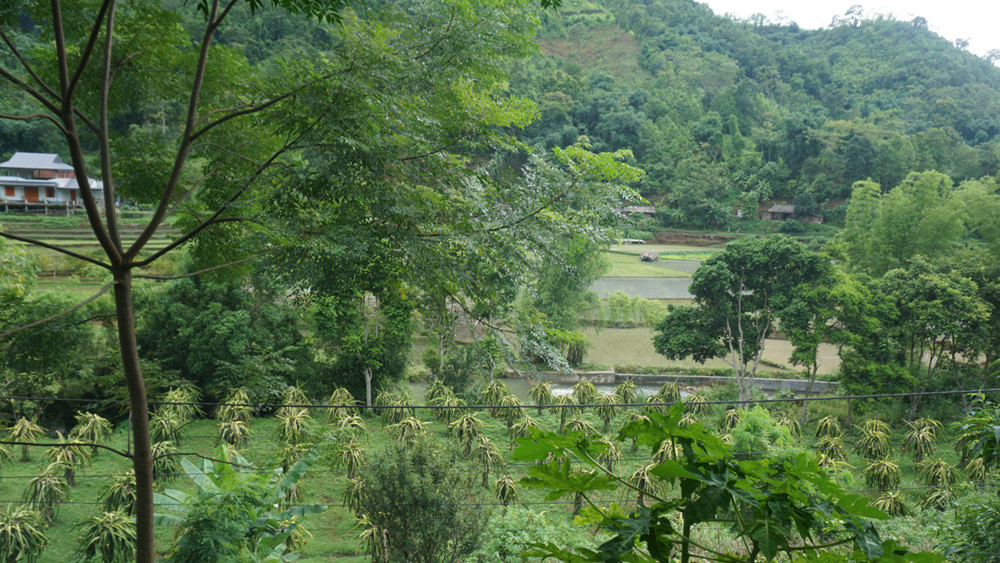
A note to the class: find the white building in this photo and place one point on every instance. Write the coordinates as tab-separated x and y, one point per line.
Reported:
31	177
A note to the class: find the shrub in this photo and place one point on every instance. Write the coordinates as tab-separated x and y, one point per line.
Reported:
972	536
108	538
512	533
423	496
757	435
22	534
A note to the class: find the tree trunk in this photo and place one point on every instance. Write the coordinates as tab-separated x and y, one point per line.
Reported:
368	386
142	457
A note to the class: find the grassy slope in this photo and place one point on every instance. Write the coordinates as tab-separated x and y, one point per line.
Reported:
334	536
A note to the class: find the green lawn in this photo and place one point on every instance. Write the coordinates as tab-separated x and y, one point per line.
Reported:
667	251
629	266
634	347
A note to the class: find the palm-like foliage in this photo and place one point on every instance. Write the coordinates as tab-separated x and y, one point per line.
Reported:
521	428
585	393
493	392
939	499
408	429
435	390
937	472
872	444
293	424
352	424
581	425
667	450
447	403
293	398
353	496
179	403
876	425
108	537
882	475
697	404
607	408
626	392
352	457
164	426
922	438
22	534
730	419
235	433
644	481
46	492
832	447
24	431
5	455
235	407
977	470
541	394
505	491
342	404
565	404
512	409
399	407
669	393
892	503
118	493
166	462
612	456
828	426
791	423
374	540
67	457
93	428
486	453
466	428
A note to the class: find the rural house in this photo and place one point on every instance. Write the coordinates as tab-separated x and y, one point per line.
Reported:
784	211
31	178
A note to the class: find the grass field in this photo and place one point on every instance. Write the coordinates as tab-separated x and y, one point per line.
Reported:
667	251
629	266
334	536
634	347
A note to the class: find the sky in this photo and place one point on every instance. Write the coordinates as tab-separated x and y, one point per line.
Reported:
973	20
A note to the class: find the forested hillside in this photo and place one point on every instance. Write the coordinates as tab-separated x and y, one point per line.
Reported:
727	114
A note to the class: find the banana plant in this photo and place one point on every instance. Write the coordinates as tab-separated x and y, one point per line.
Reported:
229	493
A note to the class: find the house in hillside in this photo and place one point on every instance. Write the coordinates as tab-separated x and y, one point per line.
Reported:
784	211
644	210
39	178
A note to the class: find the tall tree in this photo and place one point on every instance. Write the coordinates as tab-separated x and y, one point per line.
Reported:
91	66
739	294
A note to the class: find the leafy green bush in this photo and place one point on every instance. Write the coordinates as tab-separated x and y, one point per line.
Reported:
757	435
233	514
973	535
508	535
421	495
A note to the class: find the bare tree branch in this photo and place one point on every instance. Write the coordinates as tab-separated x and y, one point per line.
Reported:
57	248
199	272
104	133
57	315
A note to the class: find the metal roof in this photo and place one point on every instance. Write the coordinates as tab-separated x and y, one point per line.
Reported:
36	161
782	208
27	182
